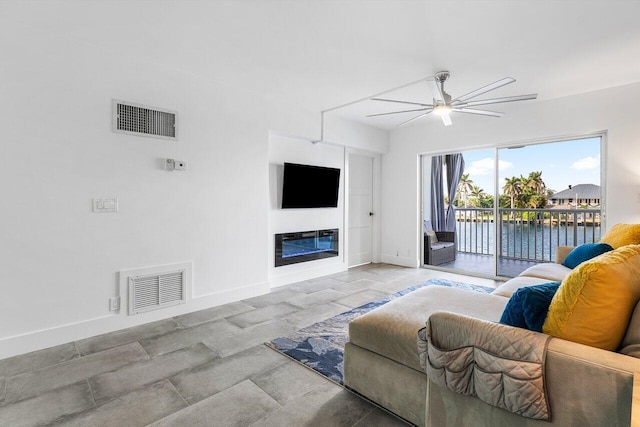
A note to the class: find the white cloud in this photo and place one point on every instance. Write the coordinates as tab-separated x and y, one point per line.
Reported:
485	166
589	162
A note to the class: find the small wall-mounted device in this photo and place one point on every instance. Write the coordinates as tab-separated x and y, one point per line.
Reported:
172	164
105	205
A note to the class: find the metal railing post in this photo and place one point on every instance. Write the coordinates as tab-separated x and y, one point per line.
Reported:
525	238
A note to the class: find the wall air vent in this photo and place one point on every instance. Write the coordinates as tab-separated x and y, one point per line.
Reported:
141	120
156	291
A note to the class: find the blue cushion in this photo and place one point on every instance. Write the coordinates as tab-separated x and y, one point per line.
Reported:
527	308
584	253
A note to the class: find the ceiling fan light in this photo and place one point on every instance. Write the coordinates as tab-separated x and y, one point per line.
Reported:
441	110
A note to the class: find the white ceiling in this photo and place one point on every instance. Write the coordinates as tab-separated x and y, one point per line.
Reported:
321	54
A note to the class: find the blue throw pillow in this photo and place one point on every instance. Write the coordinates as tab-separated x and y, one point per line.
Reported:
527	308
585	252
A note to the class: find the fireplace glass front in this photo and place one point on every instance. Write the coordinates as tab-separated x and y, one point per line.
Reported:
292	248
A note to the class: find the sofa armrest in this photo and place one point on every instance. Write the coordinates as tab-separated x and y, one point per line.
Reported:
562	252
572	374
576	367
471	356
635	403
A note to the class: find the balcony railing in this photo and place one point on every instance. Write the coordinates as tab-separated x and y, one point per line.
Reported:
525	234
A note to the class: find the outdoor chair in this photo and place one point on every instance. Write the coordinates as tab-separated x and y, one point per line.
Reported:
439	246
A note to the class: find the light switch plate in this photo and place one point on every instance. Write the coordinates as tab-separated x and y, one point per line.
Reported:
105	205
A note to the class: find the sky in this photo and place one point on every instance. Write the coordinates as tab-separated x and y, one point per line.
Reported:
562	164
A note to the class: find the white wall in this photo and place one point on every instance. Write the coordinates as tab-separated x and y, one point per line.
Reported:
612	110
60	260
292	150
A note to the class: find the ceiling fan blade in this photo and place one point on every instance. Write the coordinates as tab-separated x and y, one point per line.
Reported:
497	100
397	112
481	112
434	88
446	119
415	118
484	89
401	102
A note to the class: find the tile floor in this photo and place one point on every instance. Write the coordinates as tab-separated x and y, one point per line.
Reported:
204	368
485	264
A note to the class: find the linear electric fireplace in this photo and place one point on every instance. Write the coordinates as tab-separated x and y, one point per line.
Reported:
292	248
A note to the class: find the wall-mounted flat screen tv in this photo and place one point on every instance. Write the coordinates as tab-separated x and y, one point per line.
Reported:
306	186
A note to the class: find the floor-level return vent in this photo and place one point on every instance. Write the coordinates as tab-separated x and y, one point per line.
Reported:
142	120
156	291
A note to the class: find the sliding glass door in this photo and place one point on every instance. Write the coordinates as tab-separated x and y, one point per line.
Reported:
513	206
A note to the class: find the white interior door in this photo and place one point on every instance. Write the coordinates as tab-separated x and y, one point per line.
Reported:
360	210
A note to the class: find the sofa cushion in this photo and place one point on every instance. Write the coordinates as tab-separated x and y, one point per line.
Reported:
527	308
441	245
510	286
584	253
547	270
562	252
428	231
594	303
391	330
433	238
621	235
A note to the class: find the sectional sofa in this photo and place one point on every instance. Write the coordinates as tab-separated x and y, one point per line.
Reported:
583	385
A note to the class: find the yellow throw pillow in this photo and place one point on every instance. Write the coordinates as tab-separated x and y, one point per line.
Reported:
595	301
622	235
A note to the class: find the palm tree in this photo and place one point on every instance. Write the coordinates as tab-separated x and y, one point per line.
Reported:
478	194
465	186
535	201
535	183
512	188
458	196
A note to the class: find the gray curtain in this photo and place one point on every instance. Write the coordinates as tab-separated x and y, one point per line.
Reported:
455	169
438	215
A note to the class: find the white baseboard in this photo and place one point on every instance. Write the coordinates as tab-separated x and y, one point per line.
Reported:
61	334
402	261
307	274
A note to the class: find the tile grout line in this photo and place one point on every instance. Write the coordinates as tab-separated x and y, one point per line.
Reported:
179	323
265	391
365	416
75	346
144	349
215	352
93	397
178	391
4	391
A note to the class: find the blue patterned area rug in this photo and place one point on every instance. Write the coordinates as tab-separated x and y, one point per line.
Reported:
321	345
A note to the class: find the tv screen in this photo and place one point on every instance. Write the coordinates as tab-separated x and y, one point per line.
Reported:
306	186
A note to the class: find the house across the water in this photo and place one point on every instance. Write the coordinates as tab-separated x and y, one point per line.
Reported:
581	195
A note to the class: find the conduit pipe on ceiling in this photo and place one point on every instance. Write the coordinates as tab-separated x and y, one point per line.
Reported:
360	100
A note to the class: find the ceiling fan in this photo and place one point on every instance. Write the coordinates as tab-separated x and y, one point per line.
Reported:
443	104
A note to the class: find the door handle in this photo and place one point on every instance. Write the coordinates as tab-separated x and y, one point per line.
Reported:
370	213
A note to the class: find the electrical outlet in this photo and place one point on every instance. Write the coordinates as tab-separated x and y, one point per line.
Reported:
114	303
